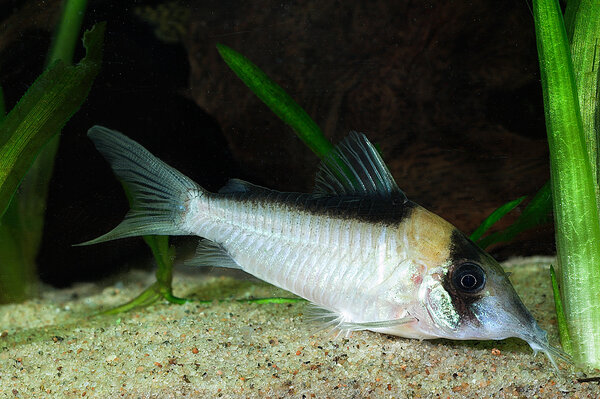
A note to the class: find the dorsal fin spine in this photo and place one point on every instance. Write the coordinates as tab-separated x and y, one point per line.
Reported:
355	167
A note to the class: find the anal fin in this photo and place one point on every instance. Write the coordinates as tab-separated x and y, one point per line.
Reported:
210	253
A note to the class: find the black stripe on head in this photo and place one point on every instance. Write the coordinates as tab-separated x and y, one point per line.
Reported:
462	251
462	248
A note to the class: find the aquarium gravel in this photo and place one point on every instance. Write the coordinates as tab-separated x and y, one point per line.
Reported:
229	349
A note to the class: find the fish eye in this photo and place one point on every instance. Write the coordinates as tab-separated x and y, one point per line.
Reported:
469	278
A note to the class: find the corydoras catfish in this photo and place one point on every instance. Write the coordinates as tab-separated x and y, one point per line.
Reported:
356	247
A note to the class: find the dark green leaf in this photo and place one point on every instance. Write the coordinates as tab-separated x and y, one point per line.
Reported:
67	32
43	110
498	214
537	212
563	330
277	100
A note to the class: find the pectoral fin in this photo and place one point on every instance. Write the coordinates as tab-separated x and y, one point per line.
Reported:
331	320
369	325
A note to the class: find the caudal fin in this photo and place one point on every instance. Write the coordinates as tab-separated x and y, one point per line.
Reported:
159	193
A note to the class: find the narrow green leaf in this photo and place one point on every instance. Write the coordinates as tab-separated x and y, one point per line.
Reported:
498	214
563	329
537	212
573	183
63	44
284	107
582	22
22	223
43	110
14	281
277	100
146	298
262	301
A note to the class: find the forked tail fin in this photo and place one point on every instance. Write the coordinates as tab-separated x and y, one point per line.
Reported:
159	193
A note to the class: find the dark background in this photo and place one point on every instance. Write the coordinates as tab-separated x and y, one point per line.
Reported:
450	93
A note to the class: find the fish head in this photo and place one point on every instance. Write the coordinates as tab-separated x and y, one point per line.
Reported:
471	297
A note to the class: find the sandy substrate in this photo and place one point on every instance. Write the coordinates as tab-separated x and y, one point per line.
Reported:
49	347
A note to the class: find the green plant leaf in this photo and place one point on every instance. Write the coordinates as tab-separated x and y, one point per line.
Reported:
164	256
146	298
563	329
582	23
537	212
262	301
22	224
277	100
577	224
498	214
43	110
63	43
285	108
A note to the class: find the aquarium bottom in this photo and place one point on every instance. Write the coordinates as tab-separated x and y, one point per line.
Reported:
50	347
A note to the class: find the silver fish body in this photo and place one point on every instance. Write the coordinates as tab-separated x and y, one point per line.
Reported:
356	247
319	249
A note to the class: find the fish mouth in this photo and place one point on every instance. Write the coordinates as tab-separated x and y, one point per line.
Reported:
537	338
541	344
522	325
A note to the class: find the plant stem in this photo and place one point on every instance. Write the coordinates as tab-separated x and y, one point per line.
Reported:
575	206
63	44
164	256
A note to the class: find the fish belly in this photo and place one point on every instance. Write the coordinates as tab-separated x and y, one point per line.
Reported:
347	266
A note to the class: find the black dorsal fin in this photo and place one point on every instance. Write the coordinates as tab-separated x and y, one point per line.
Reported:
241	186
355	167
